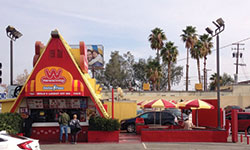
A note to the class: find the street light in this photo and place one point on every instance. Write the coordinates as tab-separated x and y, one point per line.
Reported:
13	34
220	24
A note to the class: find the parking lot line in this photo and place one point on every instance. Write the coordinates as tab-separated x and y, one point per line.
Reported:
144	145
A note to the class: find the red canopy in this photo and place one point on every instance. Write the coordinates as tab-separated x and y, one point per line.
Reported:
159	103
195	104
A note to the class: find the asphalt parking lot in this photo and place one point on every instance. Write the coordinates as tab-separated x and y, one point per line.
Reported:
132	142
148	146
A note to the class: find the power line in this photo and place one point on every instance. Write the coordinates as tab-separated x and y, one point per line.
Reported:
225	46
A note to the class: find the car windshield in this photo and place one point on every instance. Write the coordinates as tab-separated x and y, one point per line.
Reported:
174	111
144	116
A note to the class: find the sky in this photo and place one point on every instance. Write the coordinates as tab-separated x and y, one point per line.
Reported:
125	26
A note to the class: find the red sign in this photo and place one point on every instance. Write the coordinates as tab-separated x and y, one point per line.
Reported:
53	77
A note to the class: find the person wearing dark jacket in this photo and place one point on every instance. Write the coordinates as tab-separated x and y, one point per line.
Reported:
75	128
27	125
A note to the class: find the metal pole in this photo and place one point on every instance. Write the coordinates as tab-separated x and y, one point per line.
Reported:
237	62
218	81
11	62
112	103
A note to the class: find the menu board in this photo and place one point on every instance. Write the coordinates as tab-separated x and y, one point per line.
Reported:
35	103
57	103
75	103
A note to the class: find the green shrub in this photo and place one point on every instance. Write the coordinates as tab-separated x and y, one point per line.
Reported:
11	122
103	124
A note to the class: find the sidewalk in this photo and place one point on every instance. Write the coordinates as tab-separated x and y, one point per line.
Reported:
132	141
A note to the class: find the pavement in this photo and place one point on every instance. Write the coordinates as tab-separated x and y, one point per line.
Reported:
132	142
147	146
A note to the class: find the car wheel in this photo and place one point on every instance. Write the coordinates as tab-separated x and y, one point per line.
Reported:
131	128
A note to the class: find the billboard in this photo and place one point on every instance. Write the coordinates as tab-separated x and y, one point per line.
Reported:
95	56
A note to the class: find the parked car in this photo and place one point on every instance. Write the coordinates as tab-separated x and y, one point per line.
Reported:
152	117
176	112
15	142
229	108
243	121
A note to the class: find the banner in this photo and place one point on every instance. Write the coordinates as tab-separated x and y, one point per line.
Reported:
95	56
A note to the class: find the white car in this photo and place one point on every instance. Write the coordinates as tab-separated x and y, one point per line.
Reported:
15	142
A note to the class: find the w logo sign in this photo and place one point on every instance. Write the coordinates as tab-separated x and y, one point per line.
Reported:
53	76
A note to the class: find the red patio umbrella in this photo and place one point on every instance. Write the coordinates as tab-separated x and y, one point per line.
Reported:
195	104
159	103
141	102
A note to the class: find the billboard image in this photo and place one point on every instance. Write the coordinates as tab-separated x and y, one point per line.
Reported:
95	56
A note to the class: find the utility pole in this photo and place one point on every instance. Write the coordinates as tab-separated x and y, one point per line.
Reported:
205	78
237	55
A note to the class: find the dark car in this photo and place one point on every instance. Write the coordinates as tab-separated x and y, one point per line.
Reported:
177	113
229	108
243	121
152	117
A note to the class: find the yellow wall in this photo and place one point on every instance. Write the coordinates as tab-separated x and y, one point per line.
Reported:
123	109
6	105
76	55
240	95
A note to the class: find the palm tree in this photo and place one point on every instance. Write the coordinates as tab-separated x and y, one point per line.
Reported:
189	37
153	71
213	82
225	79
156	39
196	54
169	54
207	45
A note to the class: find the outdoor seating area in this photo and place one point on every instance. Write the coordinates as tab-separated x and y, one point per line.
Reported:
183	130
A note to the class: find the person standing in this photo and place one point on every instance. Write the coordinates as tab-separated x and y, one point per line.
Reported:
63	123
75	128
27	124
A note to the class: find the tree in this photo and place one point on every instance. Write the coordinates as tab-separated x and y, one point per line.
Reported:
225	79
189	37
129	61
115	73
140	76
176	75
169	55
21	78
153	70
196	54
5	87
156	39
213	82
207	45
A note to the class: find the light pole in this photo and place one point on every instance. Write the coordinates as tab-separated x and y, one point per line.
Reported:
220	27
13	34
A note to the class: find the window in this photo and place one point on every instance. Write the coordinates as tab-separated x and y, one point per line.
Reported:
145	116
48	108
52	54
59	53
243	116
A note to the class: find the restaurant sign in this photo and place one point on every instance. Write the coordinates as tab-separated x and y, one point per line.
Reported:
54	81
